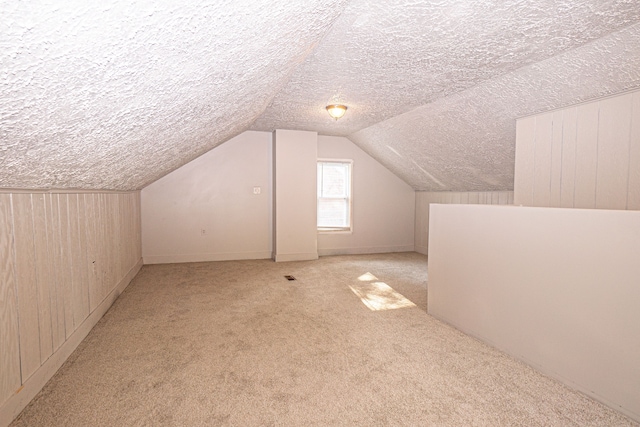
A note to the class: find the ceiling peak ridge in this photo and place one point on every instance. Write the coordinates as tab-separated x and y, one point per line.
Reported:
526	67
298	63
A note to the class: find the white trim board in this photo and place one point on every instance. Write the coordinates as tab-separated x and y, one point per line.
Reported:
205	257
309	256
365	250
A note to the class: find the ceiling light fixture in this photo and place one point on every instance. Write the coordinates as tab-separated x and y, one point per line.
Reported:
336	110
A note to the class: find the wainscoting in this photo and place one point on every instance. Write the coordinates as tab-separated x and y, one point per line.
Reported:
64	259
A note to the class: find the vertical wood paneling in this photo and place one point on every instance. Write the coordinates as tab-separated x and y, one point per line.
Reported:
121	229
556	159
91	221
105	220
569	134
135	236
113	229
57	296
525	155
421	220
65	263
425	222
97	260
542	160
503	198
594	156
43	275
59	269
77	285
108	237
138	241
613	152
102	237
586	155
633	192
474	198
10	352
48	242
27	290
130	233
130	223
101	248
82	259
105	237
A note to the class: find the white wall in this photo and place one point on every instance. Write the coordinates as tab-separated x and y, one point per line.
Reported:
586	156
383	205
213	193
557	288
424	198
64	258
295	155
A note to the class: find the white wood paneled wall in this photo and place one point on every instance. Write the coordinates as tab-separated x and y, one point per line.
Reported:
64	258
586	156
424	198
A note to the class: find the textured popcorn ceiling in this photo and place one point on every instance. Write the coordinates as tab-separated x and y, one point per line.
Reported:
115	94
466	141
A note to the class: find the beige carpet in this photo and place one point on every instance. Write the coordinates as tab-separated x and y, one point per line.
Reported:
235	343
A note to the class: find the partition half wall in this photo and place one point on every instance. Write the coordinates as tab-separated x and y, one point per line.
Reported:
556	288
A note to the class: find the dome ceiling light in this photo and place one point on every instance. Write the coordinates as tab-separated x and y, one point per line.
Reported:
336	110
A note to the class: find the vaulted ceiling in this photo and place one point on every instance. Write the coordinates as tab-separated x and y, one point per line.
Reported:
117	93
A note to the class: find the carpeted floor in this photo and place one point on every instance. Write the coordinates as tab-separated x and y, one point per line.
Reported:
235	343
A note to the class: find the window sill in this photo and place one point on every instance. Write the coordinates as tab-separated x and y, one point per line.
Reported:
334	231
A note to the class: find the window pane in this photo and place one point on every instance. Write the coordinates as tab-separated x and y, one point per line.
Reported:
334	181
333	213
334	195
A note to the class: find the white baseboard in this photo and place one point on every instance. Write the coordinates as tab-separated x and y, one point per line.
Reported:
206	257
296	257
422	250
365	250
21	398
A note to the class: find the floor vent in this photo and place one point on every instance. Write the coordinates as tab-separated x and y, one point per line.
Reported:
289	278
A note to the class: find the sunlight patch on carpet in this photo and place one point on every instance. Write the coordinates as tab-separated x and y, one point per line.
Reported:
380	296
367	277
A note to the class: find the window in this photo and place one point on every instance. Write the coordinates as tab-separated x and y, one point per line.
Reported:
334	195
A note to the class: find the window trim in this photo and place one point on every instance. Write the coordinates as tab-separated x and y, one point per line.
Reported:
338	230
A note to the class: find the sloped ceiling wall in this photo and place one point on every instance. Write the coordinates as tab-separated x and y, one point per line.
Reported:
466	141
115	94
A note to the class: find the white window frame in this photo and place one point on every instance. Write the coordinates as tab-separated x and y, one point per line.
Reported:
339	230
